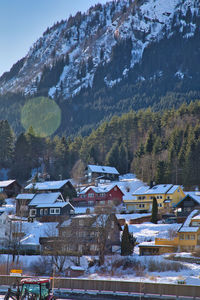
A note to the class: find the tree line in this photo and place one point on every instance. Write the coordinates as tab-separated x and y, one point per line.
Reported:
157	146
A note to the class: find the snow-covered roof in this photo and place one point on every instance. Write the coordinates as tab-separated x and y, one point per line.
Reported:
189	218
196	217
6	183
173	189
44	198
194	195
36	230
156	189
47	185
25	196
103	169
76	268
54	205
141	190
105	188
189	229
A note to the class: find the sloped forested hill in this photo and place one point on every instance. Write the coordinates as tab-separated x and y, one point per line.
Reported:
160	146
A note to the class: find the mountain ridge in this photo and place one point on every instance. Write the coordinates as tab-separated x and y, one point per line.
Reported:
119	56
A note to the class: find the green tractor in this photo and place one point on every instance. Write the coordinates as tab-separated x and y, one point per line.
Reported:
31	289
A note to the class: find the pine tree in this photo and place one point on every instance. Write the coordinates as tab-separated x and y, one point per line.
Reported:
21	167
128	242
6	143
154	215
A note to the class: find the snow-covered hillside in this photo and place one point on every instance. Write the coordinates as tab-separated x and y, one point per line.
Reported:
65	59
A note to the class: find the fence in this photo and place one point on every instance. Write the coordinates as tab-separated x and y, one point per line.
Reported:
117	286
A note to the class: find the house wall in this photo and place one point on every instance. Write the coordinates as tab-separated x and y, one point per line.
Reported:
139	206
176	196
174	242
188	240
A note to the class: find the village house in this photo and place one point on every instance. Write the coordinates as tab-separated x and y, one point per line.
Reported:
190	202
189	233
95	172
10	188
84	235
65	187
99	195
49	206
187	239
167	196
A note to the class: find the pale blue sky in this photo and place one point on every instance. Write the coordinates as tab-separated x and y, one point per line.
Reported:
22	22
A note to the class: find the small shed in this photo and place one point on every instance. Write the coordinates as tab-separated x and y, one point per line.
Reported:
74	271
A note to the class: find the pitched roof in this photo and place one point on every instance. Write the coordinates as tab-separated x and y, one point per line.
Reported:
194	195
54	205
156	189
103	169
44	198
6	183
47	185
173	189
99	189
25	196
141	190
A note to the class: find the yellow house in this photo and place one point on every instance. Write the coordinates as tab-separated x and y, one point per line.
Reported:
167	196
188	238
189	233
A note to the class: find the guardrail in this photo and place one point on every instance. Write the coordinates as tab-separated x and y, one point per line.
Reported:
172	291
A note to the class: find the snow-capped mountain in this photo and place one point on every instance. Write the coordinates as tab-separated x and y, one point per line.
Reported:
109	40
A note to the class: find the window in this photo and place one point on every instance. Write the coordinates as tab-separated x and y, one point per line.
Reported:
198	237
160	197
112	224
32	212
91	195
80	248
141	205
192	237
93	247
194	223
181	236
46	211
187	236
81	223
139	198
41	212
115	189
54	211
160	204
143	197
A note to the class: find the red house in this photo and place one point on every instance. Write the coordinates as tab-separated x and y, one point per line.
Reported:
94	195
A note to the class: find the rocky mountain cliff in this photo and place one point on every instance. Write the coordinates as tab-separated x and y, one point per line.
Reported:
124	54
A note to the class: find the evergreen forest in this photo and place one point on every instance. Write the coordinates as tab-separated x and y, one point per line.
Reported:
163	147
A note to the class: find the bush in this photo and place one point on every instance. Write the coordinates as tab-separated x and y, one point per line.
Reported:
162	266
41	267
196	252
